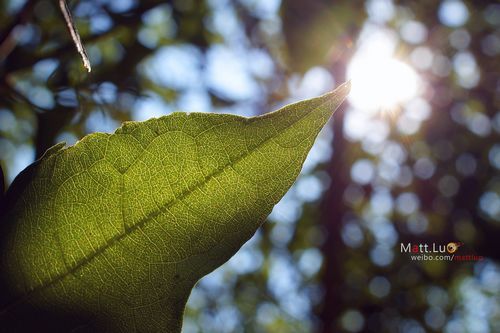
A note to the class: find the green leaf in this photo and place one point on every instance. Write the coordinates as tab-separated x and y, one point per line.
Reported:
112	233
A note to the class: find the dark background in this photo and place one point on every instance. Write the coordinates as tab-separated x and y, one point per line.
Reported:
425	170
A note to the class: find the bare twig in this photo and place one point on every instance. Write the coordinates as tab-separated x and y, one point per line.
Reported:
74	34
121	20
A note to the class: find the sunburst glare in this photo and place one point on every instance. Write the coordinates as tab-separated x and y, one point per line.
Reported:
380	82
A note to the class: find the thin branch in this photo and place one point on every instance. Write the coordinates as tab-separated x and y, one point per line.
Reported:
127	19
74	34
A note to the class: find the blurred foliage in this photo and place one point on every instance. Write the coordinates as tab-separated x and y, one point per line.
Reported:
329	259
313	31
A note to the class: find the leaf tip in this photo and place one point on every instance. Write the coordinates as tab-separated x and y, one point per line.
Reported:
344	89
336	97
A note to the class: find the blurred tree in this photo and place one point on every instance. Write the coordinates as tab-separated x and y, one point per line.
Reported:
329	258
452	167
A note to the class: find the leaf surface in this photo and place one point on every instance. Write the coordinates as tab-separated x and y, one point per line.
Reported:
111	234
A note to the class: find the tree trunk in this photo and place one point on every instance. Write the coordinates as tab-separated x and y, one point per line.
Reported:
332	209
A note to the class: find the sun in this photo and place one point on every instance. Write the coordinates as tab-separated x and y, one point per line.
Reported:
380	81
